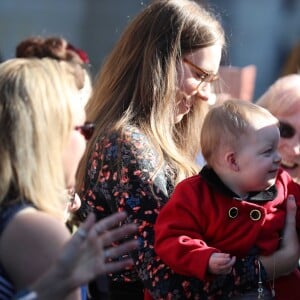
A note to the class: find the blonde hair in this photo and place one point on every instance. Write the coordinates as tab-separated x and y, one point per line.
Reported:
36	120
226	123
283	96
137	83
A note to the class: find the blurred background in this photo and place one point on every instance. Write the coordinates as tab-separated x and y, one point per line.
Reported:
259	32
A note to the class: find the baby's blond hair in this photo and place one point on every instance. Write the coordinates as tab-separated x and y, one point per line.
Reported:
226	123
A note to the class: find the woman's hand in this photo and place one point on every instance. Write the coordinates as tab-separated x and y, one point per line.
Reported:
87	255
285	259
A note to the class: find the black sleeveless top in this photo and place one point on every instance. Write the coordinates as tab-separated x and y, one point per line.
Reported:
7	212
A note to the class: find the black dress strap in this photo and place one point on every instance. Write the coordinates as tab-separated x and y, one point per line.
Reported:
8	211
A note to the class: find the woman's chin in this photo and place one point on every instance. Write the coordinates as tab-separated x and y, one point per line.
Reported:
70	183
179	116
178	119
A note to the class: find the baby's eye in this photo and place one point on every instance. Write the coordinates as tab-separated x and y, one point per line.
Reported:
268	151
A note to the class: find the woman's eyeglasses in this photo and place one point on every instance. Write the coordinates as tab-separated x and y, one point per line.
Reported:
286	130
86	130
205	76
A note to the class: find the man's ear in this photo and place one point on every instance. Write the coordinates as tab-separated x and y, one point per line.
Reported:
231	161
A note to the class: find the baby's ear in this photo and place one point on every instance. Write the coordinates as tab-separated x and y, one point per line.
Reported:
231	162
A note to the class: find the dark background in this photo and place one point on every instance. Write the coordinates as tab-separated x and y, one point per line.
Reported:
260	32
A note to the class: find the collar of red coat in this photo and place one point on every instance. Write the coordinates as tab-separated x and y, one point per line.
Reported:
212	179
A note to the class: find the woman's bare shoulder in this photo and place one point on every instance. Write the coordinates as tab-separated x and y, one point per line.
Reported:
30	243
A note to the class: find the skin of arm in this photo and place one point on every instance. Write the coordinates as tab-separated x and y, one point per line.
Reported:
32	241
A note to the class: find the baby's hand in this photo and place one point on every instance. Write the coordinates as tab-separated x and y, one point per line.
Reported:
220	263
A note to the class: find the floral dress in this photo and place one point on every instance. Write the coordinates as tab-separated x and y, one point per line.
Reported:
119	176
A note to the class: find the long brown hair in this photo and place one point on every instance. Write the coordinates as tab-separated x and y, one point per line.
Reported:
137	83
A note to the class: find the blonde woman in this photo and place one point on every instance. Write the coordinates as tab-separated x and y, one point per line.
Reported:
43	137
58	48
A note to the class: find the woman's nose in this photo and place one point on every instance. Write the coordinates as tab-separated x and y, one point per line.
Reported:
294	145
296	149
204	91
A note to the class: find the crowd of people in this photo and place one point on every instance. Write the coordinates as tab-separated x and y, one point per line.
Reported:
119	156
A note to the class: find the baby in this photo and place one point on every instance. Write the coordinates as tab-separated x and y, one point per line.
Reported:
237	205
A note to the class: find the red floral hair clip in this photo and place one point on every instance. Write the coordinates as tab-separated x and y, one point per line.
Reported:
82	54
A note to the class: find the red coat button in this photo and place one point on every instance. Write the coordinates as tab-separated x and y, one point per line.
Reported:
255	215
233	212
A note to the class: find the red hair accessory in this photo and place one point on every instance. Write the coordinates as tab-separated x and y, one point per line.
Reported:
82	54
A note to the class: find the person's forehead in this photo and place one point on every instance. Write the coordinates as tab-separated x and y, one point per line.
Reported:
261	136
207	58
292	114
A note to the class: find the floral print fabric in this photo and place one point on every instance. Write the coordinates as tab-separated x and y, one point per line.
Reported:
121	175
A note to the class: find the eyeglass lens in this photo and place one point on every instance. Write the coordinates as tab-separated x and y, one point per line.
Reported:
205	76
